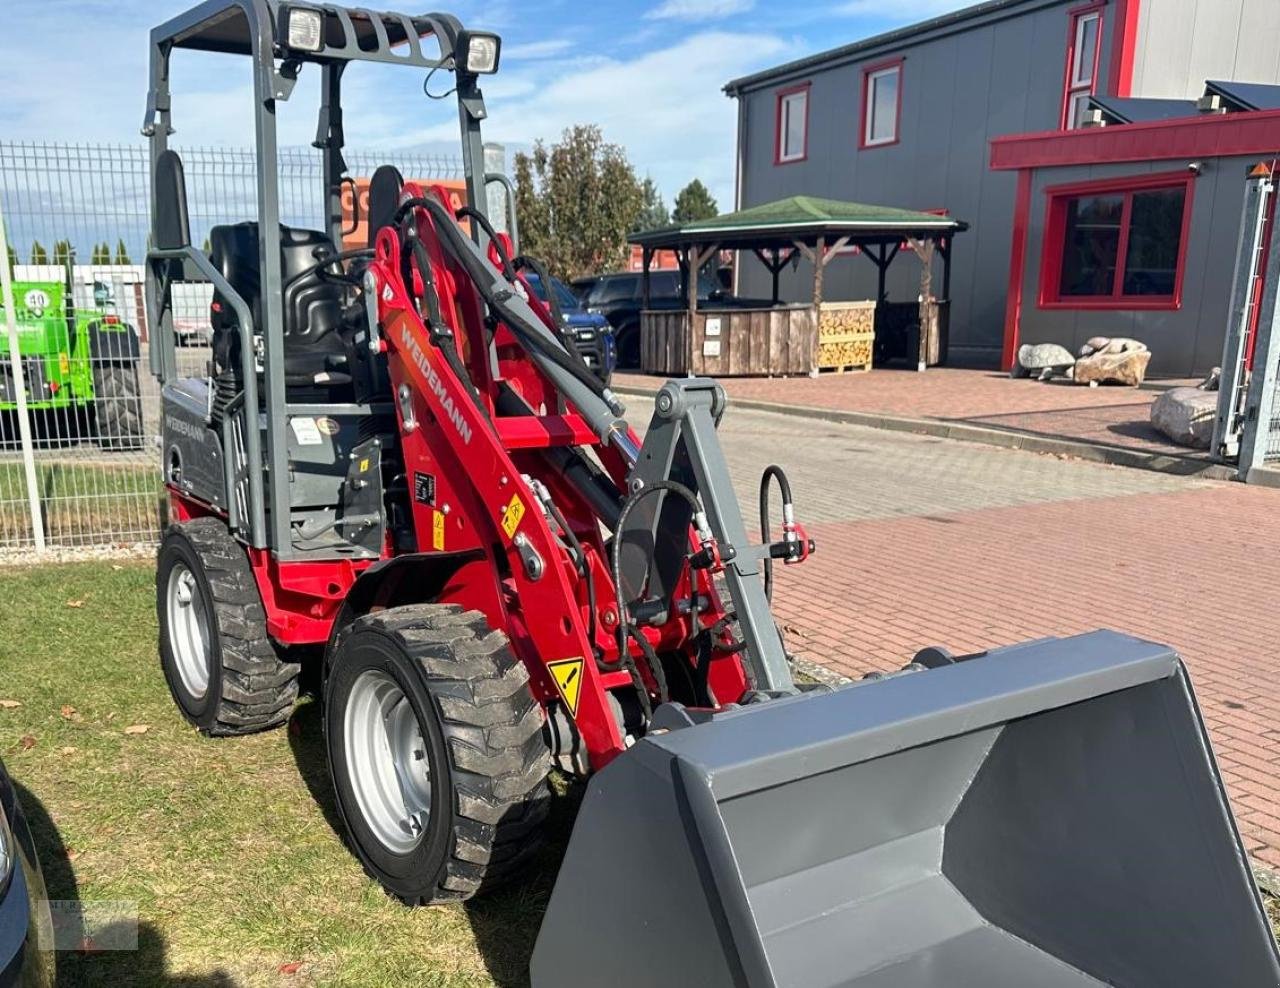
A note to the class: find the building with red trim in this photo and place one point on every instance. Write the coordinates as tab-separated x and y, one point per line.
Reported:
986	113
1132	228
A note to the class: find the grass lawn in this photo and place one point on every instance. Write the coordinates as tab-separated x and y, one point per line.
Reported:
228	847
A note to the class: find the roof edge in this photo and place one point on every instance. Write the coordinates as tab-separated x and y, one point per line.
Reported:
928	30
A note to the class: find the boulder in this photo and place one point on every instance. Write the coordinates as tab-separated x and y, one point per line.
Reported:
1126	367
1186	416
1042	360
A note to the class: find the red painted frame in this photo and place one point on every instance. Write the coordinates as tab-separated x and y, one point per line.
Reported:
778	135
1073	19
1053	242
1124	45
1216	135
867	72
1017	268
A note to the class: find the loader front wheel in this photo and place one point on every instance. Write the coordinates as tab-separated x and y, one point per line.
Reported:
436	749
225	673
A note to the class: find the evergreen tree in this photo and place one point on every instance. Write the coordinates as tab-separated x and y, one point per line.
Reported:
122	252
694	203
653	214
38	254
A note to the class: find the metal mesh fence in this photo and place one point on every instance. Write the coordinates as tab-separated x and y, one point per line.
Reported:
77	218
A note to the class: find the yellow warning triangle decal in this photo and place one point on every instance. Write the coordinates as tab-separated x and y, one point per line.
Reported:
568	676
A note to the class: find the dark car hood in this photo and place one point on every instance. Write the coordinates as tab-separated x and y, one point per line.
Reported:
582	319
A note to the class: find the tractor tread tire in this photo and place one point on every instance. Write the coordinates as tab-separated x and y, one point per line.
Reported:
258	688
494	740
118	398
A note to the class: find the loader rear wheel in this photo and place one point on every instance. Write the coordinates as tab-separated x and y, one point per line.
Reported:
119	406
225	673
436	748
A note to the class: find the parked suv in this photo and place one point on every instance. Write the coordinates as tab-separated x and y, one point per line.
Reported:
619	298
592	334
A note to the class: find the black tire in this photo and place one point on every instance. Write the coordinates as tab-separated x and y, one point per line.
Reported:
118	398
250	687
628	342
487	755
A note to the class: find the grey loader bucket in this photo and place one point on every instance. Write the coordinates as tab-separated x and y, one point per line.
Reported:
1047	815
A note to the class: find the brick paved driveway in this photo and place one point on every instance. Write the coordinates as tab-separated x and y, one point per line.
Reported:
931	541
1104	416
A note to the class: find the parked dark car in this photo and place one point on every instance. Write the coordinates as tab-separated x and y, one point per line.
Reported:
592	334
581	287
619	298
26	926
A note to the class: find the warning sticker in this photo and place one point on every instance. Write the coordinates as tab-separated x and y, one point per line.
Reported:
305	431
437	531
511	515
568	676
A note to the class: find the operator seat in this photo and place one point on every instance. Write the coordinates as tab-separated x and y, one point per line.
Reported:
312	306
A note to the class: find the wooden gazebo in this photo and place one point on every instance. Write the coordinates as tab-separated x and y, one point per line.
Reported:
758	337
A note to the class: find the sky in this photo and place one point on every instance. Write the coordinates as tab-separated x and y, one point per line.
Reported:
649	72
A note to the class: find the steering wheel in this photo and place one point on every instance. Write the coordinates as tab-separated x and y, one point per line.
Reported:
325	260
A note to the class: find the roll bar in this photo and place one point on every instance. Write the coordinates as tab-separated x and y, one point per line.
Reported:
249	27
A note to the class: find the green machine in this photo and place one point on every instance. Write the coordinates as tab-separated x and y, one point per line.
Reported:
81	363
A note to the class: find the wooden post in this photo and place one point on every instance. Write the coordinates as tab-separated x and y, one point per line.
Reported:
819	265
776	269
924	250
647	254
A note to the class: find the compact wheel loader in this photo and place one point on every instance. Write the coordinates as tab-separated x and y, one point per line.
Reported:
397	461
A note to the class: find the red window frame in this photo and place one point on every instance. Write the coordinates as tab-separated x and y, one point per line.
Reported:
1054	242
867	72
778	136
1069	90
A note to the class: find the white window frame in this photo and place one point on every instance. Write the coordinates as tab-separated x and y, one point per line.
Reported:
1081	73
787	105
869	103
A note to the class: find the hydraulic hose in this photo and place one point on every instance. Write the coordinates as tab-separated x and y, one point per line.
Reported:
626	630
771	472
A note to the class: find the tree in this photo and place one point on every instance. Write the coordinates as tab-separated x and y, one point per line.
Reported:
63	252
653	212
122	253
101	255
13	259
694	203
38	254
576	201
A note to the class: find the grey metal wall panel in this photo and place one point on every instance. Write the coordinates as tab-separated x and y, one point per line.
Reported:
1181	43
1185	342
958	92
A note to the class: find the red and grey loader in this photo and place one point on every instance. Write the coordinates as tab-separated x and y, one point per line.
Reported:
398	468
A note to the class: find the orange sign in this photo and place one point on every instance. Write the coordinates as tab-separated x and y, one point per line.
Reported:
359	237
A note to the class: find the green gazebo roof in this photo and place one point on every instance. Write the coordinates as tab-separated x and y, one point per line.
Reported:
806	217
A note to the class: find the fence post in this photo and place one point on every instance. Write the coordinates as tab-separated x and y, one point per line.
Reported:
20	390
1259	407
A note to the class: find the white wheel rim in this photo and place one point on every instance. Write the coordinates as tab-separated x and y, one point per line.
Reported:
188	630
387	761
